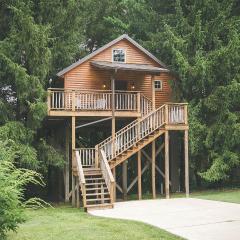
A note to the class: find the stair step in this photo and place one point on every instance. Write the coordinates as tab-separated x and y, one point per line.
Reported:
93	179
97	183
97	199
92	174
97	194
93	189
99	206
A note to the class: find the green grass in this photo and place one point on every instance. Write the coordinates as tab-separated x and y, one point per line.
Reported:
66	223
224	195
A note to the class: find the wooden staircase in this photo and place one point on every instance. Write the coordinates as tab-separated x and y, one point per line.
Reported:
97	194
97	182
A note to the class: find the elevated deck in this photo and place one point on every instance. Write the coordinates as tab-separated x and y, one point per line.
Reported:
71	102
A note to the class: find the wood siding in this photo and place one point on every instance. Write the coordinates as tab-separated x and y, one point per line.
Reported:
86	76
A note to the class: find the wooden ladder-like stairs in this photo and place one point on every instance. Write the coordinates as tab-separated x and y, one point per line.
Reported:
97	194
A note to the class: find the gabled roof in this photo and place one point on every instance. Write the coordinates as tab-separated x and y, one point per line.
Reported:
124	36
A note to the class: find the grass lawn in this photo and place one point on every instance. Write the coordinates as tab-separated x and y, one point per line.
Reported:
224	195
66	223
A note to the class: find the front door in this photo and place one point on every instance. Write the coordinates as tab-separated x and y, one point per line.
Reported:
121	85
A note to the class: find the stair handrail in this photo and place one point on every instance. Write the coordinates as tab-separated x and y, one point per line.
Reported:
81	177
133	132
107	174
145	100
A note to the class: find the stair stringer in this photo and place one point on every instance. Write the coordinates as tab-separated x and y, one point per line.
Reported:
131	151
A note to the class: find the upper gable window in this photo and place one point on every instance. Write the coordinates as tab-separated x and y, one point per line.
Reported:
119	55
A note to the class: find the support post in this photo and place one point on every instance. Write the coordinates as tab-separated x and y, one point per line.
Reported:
73	190
78	197
73	158
153	93
114	188
186	162
124	180
113	112
167	164
49	100
153	169
139	158
67	165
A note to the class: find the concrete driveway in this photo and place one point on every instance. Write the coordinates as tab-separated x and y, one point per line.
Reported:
190	218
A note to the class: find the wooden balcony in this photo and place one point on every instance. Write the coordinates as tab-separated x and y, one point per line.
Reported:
69	102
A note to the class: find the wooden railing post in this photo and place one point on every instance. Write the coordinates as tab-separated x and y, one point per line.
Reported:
139	102
185	114
96	157
166	113
73	100
49	100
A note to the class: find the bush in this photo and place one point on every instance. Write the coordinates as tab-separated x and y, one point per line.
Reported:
12	184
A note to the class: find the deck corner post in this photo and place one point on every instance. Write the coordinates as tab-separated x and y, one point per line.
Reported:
48	100
167	164
166	114
186	162
186	114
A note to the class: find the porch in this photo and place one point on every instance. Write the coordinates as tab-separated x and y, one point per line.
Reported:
72	102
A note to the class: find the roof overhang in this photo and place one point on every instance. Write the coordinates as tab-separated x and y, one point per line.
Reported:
144	68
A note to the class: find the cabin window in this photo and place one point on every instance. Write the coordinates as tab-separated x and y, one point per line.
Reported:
119	55
158	85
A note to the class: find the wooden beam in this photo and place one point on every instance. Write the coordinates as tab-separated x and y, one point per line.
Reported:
113	110
186	162
119	188
153	169
153	93
73	156
167	164
67	165
124	180
139	160
78	199
157	168
73	190
115	192
136	178
93	113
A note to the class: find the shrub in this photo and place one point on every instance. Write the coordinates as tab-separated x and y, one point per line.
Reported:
12	184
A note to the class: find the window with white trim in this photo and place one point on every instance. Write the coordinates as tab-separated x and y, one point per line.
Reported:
118	55
157	85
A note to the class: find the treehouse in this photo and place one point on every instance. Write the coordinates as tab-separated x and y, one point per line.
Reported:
122	93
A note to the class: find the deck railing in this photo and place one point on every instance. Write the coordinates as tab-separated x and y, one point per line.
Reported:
87	100
81	177
138	129
107	174
87	157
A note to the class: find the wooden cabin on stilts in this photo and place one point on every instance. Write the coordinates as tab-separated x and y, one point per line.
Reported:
125	90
